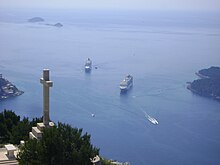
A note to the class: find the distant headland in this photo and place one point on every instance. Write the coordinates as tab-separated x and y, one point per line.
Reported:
209	83
7	89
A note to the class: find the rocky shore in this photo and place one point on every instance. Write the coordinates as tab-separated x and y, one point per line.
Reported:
7	89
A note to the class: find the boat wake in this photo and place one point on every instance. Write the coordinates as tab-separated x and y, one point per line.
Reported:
151	119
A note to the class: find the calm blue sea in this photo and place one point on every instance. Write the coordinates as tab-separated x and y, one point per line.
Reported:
162	50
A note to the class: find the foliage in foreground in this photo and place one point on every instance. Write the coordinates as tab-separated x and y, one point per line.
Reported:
12	129
61	144
106	162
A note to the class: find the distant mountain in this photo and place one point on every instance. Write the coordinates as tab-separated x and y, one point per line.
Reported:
36	19
209	84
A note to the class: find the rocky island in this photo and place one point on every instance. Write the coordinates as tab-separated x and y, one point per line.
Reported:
36	19
7	89
56	25
39	19
209	83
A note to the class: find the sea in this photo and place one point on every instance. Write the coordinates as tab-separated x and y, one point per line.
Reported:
162	50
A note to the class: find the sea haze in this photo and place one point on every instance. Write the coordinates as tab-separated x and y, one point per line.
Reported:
162	50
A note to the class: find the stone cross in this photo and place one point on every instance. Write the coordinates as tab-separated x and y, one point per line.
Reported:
46	95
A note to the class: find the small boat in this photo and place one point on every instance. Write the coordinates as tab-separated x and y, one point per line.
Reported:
126	84
88	65
151	119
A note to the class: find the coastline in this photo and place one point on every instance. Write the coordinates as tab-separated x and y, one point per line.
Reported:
18	93
7	89
189	87
201	75
208	95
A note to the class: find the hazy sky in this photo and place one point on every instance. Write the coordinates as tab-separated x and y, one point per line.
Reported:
117	4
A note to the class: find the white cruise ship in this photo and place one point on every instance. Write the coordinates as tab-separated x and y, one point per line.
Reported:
88	65
126	84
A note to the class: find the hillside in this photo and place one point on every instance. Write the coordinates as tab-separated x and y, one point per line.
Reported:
209	84
212	72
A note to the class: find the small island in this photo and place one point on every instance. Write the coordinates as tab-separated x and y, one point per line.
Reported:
36	19
58	25
39	19
209	83
7	89
55	25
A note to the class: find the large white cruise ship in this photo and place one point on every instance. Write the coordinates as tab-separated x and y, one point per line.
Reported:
126	84
88	65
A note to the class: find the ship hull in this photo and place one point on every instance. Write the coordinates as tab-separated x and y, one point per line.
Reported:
88	69
88	65
124	90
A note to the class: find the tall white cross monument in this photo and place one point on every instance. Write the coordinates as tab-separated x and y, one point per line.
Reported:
45	80
37	132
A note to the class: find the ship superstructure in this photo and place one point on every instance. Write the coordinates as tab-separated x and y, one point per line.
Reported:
88	65
126	84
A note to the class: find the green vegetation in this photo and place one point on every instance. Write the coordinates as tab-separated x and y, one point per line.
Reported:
106	162
13	129
209	86
61	144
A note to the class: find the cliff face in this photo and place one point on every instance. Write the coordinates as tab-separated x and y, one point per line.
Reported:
7	89
209	84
